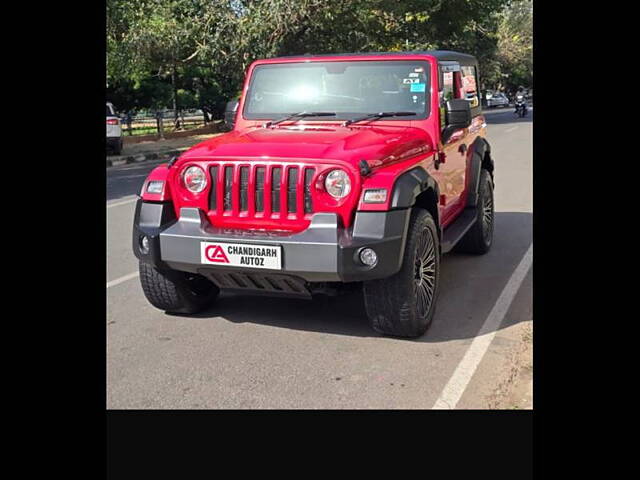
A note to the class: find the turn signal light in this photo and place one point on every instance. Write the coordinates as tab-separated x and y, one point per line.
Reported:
378	195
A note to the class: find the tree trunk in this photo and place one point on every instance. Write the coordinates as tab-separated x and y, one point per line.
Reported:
176	122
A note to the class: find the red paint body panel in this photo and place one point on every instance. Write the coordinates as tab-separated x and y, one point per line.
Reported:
390	147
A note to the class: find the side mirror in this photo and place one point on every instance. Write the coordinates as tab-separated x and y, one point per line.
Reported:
457	116
230	113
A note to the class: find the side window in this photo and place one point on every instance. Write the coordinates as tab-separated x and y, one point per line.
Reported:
470	85
446	91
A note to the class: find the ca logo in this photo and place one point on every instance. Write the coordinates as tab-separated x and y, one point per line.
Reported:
214	253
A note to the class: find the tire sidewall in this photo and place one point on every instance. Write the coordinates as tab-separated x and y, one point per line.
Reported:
486	183
423	220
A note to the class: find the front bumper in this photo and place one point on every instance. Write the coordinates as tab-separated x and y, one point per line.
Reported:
113	142
324	252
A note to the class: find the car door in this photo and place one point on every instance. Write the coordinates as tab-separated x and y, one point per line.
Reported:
452	165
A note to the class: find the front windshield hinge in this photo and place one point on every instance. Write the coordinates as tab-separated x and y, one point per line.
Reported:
365	169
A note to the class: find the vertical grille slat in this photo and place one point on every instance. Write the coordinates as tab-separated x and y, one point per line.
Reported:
228	187
244	185
259	195
235	197
308	203
275	189
283	192
213	194
292	180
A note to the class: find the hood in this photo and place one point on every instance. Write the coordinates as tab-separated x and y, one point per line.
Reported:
377	145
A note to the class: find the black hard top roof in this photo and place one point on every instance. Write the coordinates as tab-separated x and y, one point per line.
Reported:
441	55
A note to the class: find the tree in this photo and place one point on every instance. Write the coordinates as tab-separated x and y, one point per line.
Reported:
202	48
515	44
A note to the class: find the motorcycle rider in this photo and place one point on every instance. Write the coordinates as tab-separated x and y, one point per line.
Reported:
520	100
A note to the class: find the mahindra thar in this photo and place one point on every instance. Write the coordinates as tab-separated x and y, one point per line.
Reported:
340	171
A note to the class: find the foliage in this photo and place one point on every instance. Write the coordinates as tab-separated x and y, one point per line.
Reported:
515	44
188	53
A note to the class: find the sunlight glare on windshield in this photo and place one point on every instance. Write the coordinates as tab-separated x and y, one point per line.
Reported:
303	93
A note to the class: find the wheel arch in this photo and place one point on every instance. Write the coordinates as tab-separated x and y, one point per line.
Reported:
416	188
480	159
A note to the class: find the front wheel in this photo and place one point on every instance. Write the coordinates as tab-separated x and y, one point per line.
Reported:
176	292
403	305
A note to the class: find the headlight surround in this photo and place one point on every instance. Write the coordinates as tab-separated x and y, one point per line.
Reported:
194	179
337	184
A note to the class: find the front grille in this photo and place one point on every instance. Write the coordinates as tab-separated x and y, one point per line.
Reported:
267	191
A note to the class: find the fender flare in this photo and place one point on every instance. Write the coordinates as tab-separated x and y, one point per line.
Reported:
479	156
409	185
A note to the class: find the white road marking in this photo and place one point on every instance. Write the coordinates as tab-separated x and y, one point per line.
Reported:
122	279
458	382
510	129
124	202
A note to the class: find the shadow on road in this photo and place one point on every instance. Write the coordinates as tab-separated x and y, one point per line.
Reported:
470	285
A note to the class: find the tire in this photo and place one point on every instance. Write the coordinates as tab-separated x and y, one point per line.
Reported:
117	149
479	238
176	292
403	305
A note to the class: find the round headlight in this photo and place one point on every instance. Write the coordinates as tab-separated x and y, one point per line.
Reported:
338	184
194	179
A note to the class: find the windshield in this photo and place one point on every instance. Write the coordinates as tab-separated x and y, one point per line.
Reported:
348	89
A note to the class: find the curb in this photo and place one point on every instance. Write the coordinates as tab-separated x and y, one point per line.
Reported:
143	157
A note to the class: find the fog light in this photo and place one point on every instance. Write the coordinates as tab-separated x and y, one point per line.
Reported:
368	257
144	244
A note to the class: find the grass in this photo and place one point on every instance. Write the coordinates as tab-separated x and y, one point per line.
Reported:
152	129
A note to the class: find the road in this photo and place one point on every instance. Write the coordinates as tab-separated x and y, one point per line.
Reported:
250	352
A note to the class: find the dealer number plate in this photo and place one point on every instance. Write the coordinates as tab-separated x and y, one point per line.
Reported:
241	255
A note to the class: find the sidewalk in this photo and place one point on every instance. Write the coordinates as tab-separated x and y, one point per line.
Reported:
152	150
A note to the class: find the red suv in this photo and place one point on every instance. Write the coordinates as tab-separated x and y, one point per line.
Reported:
341	170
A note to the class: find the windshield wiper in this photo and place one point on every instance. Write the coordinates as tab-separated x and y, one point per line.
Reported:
378	115
299	115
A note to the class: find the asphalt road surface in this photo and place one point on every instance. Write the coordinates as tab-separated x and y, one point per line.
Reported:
250	352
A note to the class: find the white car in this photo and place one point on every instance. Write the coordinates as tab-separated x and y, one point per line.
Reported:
114	130
497	100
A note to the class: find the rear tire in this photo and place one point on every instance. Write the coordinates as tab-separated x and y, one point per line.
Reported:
403	305
479	238
176	292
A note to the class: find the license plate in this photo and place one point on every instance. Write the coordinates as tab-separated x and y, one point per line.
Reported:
241	255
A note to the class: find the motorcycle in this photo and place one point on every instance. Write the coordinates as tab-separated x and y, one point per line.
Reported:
521	106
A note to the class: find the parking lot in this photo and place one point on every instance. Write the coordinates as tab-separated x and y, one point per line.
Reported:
261	352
